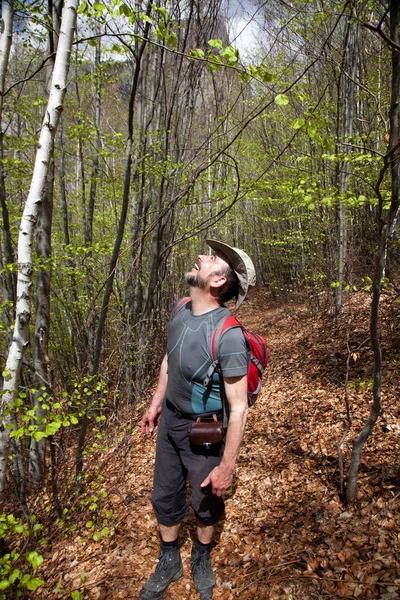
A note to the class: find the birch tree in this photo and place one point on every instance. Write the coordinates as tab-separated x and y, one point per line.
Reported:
29	220
8	257
43	281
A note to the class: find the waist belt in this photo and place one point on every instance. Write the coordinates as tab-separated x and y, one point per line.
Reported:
204	416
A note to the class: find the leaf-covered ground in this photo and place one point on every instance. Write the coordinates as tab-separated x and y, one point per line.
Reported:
286	533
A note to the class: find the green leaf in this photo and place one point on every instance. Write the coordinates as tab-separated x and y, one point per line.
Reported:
38	435
83	8
265	76
312	130
124	9
297	124
281	100
197	53
76	595
6	373
244	77
230	54
4	584
161	31
34	583
98	8
52	428
18	433
146	19
171	40
35	559
214	62
215	43
16	574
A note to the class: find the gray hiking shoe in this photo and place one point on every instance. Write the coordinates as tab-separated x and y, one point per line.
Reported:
202	573
168	569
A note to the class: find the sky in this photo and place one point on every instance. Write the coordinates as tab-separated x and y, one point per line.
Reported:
245	27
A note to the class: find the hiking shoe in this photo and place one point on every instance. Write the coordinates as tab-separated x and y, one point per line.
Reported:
168	569
202	573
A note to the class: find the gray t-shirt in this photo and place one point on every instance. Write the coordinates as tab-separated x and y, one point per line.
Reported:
189	357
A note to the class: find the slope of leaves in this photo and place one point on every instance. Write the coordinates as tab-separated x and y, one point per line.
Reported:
286	533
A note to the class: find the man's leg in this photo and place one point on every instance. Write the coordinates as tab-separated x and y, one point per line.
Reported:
169	533
169	503
208	509
203	576
205	533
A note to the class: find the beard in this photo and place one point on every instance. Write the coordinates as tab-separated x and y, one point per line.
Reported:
195	280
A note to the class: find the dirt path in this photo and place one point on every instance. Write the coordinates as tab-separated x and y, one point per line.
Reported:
286	533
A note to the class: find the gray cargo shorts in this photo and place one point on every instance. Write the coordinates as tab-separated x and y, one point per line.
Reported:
178	462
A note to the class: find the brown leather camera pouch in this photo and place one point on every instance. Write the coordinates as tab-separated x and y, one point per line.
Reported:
206	433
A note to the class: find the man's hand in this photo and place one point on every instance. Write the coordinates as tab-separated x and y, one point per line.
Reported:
220	479
149	420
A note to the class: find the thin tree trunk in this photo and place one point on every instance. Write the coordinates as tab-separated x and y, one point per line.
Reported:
27	228
90	211
386	230
349	67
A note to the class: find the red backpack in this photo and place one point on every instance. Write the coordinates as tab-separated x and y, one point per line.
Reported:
256	348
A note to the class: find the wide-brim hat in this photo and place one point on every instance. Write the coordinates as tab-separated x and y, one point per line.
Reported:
241	264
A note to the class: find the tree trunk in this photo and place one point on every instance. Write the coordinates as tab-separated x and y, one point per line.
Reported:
9	280
386	230
348	71
27	228
37	451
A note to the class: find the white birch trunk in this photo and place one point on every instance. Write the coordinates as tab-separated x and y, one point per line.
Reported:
7	11
8	279
27	228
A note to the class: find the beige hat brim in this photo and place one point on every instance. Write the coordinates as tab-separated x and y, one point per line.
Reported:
242	265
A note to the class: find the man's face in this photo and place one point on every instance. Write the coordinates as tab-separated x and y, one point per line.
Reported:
204	268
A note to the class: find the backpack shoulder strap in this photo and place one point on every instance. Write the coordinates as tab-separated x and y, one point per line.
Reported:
179	305
222	327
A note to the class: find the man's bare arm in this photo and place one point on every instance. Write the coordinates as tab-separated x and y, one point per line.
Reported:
150	417
236	394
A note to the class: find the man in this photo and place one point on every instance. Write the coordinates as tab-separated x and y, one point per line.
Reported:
181	397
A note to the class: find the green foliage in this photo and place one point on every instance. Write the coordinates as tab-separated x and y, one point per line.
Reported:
281	100
88	395
16	569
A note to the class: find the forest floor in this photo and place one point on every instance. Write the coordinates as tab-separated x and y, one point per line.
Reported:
287	534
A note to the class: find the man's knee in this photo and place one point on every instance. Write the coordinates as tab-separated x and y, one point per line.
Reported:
166	510
208	507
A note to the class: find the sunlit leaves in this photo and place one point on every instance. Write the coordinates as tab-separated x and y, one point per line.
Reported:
281	100
196	53
215	44
297	124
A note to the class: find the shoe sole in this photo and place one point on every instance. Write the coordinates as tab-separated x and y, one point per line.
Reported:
162	594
